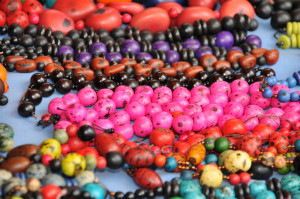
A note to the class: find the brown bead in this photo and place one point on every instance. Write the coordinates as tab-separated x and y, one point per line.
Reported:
221	64
248	61
14	59
234	56
181	65
279	162
17	164
71	65
86	72
112	70
208	60
143	69
99	63
192	72
25	150
128	62
44	59
258	52
33	184
169	71
268	159
25	66
272	56
53	66
156	63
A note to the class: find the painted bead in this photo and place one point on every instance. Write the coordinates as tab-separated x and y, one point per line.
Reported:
104	93
259	100
56	106
199	121
211	176
151	109
250	144
75	113
135	110
182	124
235	109
220	87
105	107
139	157
147	178
241	97
87	96
52	147
196	154
162	137
142	126
237	160
162	120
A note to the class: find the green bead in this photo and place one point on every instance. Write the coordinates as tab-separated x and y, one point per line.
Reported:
91	162
209	144
6	130
222	144
291	168
285	40
283	170
61	136
6	143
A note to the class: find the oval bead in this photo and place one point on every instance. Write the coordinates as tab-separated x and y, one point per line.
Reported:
147	178
17	164
272	56
248	61
72	65
86	72
260	171
234	56
127	7
25	150
139	157
99	63
105	143
44	59
191	14
14	59
25	66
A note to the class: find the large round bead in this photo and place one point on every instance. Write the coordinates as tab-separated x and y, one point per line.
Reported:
73	164
237	160
211	176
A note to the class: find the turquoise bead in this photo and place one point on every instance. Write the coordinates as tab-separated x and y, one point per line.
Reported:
297	145
225	192
186	175
266	195
203	162
188	186
50	3
176	180
257	187
171	164
296	194
211	158
290	182
95	190
194	195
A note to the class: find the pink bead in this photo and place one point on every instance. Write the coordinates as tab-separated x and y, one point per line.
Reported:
171	107
62	116
56	106
240	97
126	89
217	13
234	108
182	92
161	98
105	107
162	120
84	122
200	90
211	118
191	109
279	87
100	5
223	119
151	109
199	100
101	124
87	96
135	110
181	101
126	18
141	98
145	90
121	98
254	87
75	113
91	115
199	121
120	117
275	103
34	19
163	89
239	85
259	100
182	124
214	107
292	106
219	98
104	93
251	123
292	116
274	122
70	98
142	126
124	129
183	137
220	87
275	111
62	125
253	110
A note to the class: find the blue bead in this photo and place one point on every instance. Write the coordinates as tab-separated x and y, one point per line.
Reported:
186	175
297	77
294	96
50	3
297	145
272	81
203	162
290	182
292	82
257	187
211	158
225	192
171	164
268	93
266	195
126	166
193	195
284	82
284	96
96	191
176	180
188	186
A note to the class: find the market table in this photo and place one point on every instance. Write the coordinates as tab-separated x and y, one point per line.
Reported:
27	131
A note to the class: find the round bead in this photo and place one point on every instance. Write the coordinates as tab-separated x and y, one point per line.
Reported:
171	164
209	144
234	179
186	175
268	93
222	144
279	162
257	187
297	145
284	170
284	95
211	158
292	82
294	96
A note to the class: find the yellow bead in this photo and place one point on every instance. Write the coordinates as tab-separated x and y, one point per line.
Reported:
294	41
52	147
237	160
295	28
298	40
285	40
223	156
211	176
73	164
289	28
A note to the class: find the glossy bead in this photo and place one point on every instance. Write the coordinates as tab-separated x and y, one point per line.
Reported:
221	144
283	96
268	93
297	145
114	160
209	144
26	109
86	133
171	164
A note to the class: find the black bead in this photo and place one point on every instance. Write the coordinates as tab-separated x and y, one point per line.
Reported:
212	191
205	190
26	109
238	190
215	77
261	61
86	133
175	189
296	164
139	77
280	18
76	79
131	82
99	79
146	35
268	72
56	75
34	96
194	82
253	25
239	21
150	194
264	10
214	26
173	83
270	185
102	33
287	194
139	193
119	195
55	165
63	86
110	84
158	190
228	23
246	188
160	76
3	100
85	84
129	195
3	30
167	189
154	83
276	183
15	30
296	14
259	78
36	158
203	40
260	171
47	89
159	36
10	67
14	40
85	195
279	194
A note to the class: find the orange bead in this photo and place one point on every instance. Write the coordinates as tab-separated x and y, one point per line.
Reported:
272	150
3	73
282	148
160	160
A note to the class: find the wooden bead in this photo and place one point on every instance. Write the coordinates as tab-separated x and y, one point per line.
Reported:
268	159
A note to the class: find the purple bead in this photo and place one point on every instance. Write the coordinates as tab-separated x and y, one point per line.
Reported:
203	50
172	56
161	45
98	48
224	39
191	43
84	57
144	55
130	45
235	48
114	56
65	49
253	39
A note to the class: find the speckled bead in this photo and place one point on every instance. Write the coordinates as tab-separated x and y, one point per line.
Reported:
219	98
163	89
239	85
222	119
241	97
257	187
142	126
235	109
135	110
200	90
87	96
211	118
259	100
182	124
290	182
249	123
56	106
125	130
182	92
189	186
121	98
181	101
125	89
218	109
172	107
120	117
162	119
70	98
266	195
191	109
145	90
199	100
254	87
225	192
151	109
75	113
199	121
104	93
105	107
161	98
253	110
91	115
220	87
102	124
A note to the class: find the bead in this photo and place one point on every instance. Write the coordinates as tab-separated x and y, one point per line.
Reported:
283	96
209	144
272	81
268	93
211	158
257	187
237	160
266	194
234	179
268	158
221	145
211	176
297	145
279	162
171	164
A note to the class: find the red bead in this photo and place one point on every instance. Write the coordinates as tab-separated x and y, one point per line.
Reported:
296	126
46	159
217	13
282	148
144	144
245	177
286	125
199	167
79	25
126	18
50	191
182	137
34	18
234	179
65	149
100	5
72	130
173	13
2	18
101	162
167	150
285	131
156	150
191	133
